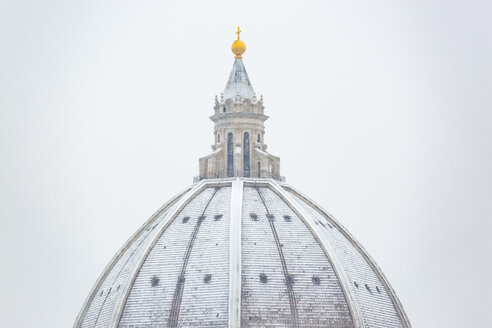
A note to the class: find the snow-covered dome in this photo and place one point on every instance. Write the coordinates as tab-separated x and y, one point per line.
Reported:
242	252
241	248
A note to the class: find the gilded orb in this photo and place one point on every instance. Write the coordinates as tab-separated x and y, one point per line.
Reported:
238	48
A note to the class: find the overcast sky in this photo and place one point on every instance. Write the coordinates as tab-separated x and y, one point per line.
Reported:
380	111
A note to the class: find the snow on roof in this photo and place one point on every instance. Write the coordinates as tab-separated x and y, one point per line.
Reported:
262	152
238	82
243	250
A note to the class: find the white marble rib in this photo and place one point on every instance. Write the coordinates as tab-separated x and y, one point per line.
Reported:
358	304
235	254
365	254
121	251
170	217
330	254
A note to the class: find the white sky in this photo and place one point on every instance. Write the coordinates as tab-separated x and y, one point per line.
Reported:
380	111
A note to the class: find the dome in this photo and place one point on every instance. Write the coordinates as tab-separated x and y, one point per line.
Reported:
242	253
241	248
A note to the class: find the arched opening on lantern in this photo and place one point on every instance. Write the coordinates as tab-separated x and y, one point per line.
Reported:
246	160
230	155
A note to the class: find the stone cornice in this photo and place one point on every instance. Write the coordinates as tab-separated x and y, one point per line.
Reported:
236	115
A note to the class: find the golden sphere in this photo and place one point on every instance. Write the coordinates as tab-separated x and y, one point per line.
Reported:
238	48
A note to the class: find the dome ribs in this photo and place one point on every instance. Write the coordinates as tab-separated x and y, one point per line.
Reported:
289	280
344	311
178	293
97	311
360	268
142	305
282	262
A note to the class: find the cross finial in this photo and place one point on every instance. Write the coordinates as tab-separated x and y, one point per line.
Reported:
238	32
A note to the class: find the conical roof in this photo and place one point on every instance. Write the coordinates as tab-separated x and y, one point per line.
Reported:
238	83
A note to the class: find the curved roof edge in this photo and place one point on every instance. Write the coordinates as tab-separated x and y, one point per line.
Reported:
119	254
177	207
286	193
361	249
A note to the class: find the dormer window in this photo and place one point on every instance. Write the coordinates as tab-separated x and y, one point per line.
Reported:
224	109
218	138
259	138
